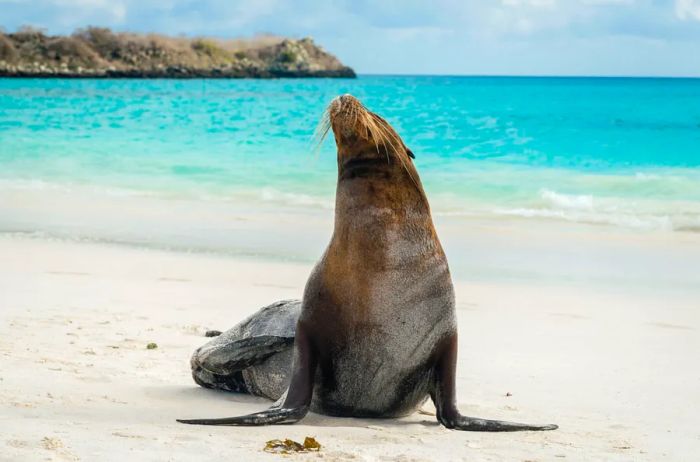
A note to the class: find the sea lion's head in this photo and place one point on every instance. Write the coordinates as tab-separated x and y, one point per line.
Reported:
367	145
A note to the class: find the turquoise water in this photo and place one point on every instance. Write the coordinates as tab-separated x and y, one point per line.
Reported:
618	152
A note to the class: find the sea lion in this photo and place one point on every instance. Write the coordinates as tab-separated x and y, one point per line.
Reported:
375	334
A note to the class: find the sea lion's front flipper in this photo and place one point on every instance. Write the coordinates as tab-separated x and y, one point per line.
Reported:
443	396
226	358
294	405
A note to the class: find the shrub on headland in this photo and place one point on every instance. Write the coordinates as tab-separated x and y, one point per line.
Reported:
103	41
209	48
70	50
7	49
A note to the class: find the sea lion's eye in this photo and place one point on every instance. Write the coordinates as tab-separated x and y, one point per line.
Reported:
410	153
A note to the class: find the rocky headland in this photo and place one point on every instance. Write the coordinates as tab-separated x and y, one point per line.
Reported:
97	52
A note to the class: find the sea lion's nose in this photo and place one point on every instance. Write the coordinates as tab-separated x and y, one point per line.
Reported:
347	98
343	103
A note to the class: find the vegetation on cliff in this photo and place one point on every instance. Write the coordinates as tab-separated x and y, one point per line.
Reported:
99	52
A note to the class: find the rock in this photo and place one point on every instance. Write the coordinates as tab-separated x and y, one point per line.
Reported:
99	52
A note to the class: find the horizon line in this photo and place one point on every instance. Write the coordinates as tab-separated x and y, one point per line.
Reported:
533	76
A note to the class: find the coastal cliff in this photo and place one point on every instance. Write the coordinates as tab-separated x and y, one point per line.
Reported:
98	52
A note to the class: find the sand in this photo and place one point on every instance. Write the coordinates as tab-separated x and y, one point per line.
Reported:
615	366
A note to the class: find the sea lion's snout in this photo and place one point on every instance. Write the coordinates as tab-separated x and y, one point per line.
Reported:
354	125
363	139
347	99
345	113
344	103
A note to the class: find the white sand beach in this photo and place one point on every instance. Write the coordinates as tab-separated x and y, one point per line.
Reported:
615	365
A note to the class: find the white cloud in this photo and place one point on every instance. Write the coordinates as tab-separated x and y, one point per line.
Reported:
688	9
535	3
609	2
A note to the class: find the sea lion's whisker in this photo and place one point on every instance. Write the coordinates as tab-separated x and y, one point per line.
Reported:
381	131
321	132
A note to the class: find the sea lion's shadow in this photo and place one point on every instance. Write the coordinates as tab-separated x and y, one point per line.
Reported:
312	419
320	420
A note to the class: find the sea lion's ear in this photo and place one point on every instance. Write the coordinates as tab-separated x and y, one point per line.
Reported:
410	153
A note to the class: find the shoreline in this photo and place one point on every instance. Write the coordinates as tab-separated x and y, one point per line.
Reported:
480	250
606	364
173	75
480	247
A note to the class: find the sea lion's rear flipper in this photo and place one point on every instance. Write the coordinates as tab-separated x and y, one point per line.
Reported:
268	332
443	396
294	404
269	417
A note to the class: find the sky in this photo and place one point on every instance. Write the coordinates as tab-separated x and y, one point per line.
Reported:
447	37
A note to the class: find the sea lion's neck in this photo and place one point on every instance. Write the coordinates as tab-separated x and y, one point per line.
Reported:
357	198
391	220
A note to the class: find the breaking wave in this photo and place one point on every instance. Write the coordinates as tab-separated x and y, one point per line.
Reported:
629	213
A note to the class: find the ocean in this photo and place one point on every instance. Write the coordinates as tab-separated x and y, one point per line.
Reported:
198	157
